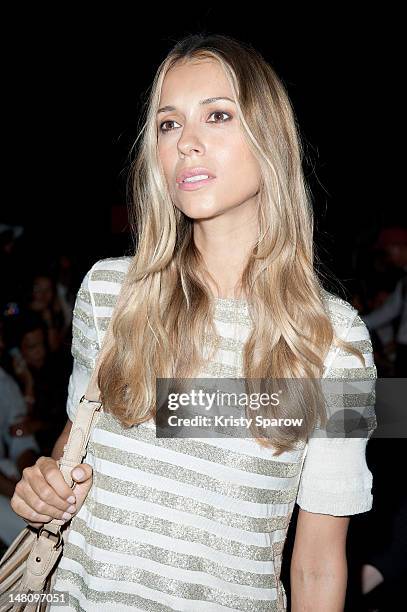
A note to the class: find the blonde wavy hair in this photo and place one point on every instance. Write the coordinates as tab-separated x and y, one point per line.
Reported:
165	308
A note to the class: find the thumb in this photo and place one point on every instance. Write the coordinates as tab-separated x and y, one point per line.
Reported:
82	472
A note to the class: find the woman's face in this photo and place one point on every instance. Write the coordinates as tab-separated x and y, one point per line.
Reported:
42	294
204	135
33	348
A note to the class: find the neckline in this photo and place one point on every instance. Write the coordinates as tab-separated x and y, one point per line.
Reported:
237	301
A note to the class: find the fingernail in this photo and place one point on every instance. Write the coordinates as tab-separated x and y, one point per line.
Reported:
78	473
66	515
71	500
71	509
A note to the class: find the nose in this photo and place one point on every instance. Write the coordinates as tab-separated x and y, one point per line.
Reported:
189	142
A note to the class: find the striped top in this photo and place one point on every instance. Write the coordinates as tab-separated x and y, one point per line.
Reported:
199	524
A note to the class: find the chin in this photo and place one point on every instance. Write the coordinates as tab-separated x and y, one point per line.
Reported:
200	211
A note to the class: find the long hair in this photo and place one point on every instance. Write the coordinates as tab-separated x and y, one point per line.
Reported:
166	310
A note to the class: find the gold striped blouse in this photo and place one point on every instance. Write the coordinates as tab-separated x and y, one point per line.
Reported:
199	524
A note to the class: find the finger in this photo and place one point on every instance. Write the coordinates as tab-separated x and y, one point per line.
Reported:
40	487
35	525
21	508
82	472
53	476
28	495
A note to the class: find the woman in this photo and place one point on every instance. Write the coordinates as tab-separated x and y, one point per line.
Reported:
200	524
45	301
43	379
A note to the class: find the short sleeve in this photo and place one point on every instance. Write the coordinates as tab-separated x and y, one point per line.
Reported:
335	478
85	345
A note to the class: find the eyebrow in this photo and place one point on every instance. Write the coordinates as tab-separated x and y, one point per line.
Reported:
207	101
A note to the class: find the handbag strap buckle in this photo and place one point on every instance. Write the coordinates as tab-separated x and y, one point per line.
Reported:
88	401
58	534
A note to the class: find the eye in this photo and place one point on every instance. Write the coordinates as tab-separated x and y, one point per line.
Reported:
162	124
220	113
163	131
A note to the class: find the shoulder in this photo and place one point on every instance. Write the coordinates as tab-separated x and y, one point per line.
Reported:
341	313
345	318
348	326
8	384
11	398
109	270
97	296
105	277
3	376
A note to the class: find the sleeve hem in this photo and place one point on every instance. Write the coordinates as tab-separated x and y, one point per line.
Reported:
318	505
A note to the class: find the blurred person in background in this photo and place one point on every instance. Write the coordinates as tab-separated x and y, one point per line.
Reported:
67	285
11	265
42	377
366	295
385	564
388	564
18	450
384	336
43	299
393	242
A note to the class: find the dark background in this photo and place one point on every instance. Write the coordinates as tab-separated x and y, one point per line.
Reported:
74	84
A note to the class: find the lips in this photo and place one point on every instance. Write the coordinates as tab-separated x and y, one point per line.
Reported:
187	172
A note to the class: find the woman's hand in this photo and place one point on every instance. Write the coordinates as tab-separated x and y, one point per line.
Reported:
42	493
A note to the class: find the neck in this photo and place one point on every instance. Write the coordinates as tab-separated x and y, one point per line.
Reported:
225	243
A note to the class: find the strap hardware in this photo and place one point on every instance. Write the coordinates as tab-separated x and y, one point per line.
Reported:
85	400
59	535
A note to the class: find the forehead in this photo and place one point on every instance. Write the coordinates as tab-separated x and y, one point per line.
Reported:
194	80
33	336
42	280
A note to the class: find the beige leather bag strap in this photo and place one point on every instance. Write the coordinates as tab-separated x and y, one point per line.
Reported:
46	550
87	414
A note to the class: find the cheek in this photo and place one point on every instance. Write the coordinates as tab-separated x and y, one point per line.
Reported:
166	152
238	166
168	162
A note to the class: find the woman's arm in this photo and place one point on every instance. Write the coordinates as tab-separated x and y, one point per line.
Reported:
319	570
